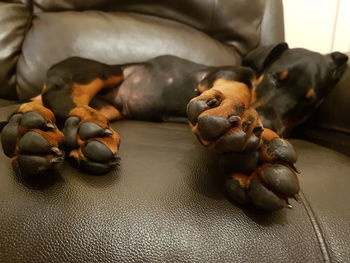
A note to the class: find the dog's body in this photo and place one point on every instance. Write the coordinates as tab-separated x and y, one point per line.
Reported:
283	85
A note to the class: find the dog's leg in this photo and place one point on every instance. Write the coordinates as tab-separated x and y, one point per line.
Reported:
31	139
91	143
223	120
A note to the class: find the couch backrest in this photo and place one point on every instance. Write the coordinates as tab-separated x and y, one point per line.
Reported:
36	34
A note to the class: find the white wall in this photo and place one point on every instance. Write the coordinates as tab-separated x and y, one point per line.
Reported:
320	25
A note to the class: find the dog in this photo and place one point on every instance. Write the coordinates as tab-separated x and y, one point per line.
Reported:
239	111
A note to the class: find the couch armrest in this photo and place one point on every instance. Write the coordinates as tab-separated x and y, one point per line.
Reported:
330	125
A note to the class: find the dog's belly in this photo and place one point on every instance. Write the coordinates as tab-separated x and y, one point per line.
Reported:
151	91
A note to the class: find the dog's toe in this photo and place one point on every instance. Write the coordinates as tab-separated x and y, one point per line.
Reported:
97	151
280	179
262	197
9	135
269	187
279	150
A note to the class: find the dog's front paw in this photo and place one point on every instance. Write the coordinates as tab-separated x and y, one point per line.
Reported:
224	123
32	140
92	143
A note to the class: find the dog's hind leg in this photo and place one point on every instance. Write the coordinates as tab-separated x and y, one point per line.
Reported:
91	143
260	164
31	137
274	179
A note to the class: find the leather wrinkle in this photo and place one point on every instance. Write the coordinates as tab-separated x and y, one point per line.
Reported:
30	8
215	2
316	226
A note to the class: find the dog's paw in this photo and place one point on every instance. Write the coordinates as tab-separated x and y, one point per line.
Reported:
269	187
224	123
92	144
273	182
32	140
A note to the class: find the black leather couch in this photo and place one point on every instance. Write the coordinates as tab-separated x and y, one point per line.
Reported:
166	202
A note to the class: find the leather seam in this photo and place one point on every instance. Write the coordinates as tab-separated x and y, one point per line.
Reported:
317	228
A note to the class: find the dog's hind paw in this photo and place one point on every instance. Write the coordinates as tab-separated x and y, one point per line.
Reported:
32	140
269	187
273	182
92	144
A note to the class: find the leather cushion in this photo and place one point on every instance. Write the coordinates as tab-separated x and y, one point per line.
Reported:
166	204
236	21
14	19
114	38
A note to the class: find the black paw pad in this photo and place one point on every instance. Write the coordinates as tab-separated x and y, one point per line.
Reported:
195	108
236	191
97	151
281	179
233	142
212	127
281	150
252	143
263	198
70	132
32	120
33	142
241	162
9	135
94	167
89	130
31	164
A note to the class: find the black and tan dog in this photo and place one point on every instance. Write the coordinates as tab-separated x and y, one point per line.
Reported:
238	111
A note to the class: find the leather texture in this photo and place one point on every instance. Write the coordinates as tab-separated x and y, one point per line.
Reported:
116	38
213	32
272	30
166	204
14	21
221	19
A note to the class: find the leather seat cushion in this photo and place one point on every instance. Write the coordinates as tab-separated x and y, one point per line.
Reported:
113	38
14	19
165	203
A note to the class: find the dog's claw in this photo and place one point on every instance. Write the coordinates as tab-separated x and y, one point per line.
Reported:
107	132
50	125
57	151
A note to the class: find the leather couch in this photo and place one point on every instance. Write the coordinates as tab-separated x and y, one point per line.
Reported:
166	201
